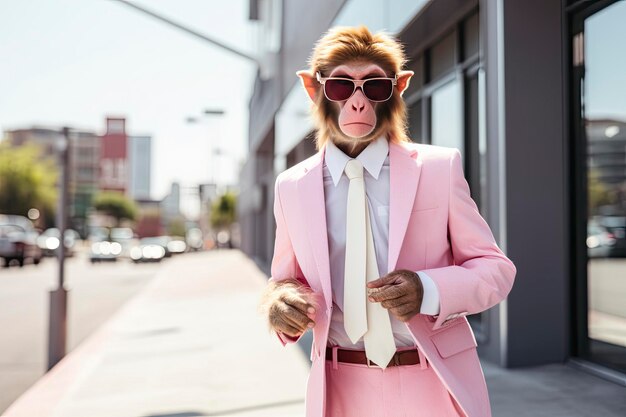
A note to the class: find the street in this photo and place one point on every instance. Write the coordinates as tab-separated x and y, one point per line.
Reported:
607	292
95	293
191	342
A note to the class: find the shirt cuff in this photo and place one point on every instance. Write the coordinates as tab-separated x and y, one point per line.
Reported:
430	302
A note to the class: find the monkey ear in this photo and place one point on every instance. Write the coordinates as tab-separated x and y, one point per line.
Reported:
403	80
309	82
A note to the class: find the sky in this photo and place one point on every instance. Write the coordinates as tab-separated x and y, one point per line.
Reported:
605	60
73	62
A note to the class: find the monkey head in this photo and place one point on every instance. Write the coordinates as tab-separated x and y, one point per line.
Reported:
355	83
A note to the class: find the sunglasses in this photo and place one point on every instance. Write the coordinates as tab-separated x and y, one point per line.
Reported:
340	89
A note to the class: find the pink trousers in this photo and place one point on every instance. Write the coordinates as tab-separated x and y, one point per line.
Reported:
354	390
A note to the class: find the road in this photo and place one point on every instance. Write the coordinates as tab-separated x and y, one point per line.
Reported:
95	293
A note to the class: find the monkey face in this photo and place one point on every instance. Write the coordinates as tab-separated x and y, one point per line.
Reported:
357	119
357	115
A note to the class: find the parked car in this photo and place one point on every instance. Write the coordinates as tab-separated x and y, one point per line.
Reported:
18	240
49	241
148	249
162	241
194	239
615	225
223	239
126	238
599	241
105	251
177	245
97	233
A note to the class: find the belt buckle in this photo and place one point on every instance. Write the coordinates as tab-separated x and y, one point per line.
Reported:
396	359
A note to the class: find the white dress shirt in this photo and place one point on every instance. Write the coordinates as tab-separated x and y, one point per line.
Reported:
375	160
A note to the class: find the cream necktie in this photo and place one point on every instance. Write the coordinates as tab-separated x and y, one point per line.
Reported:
361	317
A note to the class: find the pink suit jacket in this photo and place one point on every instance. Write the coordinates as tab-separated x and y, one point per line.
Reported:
434	226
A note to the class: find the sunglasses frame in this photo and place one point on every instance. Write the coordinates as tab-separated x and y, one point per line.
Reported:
356	84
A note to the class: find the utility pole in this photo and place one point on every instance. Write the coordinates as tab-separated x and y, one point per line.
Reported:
57	330
190	31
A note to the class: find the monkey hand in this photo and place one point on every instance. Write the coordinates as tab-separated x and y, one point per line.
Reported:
289	307
400	291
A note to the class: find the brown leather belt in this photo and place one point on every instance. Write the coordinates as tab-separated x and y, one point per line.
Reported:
405	357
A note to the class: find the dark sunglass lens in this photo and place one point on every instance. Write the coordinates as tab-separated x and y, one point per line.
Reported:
339	90
378	90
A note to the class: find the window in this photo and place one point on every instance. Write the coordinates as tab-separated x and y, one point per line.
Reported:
447	117
598	68
415	122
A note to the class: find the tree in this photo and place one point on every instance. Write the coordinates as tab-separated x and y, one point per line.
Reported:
599	193
176	226
115	205
27	180
223	211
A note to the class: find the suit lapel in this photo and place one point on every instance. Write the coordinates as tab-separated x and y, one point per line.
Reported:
310	188
405	167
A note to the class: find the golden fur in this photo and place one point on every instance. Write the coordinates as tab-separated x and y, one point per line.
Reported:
343	44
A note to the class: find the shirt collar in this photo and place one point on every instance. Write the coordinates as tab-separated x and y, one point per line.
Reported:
372	158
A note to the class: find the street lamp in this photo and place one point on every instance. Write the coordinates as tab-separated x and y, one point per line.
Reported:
204	226
57	330
208	113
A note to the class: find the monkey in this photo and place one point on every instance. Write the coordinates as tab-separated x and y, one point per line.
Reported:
351	121
355	82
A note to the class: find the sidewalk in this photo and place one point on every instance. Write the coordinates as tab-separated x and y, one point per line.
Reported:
192	344
553	390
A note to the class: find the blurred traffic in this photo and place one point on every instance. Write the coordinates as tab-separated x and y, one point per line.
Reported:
21	243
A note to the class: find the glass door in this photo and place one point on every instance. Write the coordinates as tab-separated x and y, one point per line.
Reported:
599	121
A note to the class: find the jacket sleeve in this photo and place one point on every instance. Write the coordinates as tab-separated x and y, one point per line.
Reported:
481	275
284	263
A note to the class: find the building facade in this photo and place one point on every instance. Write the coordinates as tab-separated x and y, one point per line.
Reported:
125	161
531	93
84	161
84	175
114	156
113	161
140	165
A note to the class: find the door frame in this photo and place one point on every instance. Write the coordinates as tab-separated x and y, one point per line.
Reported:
576	151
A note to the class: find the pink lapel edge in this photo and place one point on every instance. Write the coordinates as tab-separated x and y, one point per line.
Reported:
405	167
310	189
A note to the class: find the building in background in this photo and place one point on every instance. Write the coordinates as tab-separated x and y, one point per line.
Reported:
149	219
140	165
170	205
113	161
114	156
125	161
530	93
84	160
46	137
84	176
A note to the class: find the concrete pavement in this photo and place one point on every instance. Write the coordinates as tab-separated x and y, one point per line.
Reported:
192	344
95	292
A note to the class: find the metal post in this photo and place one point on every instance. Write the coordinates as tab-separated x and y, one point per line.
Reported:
57	330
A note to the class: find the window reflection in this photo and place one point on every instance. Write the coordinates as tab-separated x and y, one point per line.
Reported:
447	120
605	127
415	121
379	14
